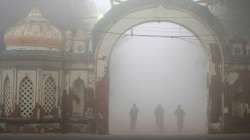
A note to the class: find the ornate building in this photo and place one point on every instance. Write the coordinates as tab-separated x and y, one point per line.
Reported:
39	62
55	78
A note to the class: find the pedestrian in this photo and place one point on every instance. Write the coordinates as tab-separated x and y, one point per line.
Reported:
180	115
159	117
133	117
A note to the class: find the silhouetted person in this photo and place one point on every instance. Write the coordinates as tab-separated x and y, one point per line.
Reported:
180	115
159	117
133	117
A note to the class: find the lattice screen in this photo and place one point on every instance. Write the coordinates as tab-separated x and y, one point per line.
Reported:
26	97
49	95
7	97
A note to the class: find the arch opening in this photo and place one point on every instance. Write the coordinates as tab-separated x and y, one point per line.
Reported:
158	63
192	16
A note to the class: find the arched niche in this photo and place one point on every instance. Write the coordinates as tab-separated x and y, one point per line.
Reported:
79	93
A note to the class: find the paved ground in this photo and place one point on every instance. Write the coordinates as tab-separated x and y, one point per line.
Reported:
128	137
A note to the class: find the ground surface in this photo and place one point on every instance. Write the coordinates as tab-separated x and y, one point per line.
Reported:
128	137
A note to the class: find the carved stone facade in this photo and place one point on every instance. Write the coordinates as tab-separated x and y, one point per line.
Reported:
36	67
55	80
237	90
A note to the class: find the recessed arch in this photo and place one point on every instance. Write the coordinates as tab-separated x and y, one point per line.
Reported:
188	14
50	96
26	91
79	93
7	96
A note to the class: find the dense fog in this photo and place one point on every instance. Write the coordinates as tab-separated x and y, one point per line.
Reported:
155	69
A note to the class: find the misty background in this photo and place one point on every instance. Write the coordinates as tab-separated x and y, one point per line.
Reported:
158	70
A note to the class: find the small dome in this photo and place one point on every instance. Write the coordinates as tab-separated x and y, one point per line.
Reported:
34	32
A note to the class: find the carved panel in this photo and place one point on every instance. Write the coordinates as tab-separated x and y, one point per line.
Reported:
49	95
26	91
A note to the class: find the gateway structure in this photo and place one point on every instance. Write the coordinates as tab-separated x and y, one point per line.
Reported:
54	71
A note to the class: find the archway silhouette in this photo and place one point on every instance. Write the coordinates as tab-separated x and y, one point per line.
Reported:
188	14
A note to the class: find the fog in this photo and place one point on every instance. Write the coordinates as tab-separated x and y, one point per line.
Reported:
158	70
102	6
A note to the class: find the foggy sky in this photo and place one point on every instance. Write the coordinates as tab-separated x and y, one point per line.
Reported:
150	71
102	5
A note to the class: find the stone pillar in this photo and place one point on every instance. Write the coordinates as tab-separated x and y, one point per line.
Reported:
102	89
216	91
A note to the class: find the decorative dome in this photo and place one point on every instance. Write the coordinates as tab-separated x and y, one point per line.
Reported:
35	33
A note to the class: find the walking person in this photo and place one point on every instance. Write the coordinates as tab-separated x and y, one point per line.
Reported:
133	117
159	117
180	116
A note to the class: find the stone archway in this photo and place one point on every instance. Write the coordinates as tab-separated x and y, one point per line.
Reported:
186	13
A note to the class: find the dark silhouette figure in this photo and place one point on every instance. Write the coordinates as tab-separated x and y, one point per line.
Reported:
180	115
159	117
133	117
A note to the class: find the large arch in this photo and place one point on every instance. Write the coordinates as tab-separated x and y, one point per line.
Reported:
189	14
